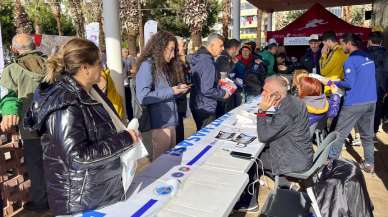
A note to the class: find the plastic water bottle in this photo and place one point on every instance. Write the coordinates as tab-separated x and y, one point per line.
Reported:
314	70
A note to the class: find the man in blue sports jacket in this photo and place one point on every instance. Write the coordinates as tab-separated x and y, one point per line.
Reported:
359	100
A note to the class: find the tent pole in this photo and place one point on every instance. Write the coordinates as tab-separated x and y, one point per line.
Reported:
236	19
259	29
270	13
110	12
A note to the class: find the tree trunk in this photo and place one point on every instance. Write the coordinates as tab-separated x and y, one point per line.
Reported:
380	18
141	27
37	26
347	13
132	44
22	24
59	26
101	33
197	40
79	20
225	18
259	29
56	10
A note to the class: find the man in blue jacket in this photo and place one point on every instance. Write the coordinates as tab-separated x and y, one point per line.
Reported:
205	91
359	101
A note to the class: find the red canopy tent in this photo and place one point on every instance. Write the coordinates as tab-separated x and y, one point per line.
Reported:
317	20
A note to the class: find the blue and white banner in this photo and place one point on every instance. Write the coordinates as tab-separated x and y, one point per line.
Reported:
201	164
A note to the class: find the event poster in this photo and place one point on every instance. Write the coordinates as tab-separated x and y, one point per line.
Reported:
92	32
51	43
1	53
150	28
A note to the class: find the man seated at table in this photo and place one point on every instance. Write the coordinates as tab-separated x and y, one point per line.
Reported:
285	133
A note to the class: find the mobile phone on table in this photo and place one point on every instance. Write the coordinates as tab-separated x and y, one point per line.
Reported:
241	155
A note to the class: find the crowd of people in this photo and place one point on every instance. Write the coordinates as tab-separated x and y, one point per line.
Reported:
73	121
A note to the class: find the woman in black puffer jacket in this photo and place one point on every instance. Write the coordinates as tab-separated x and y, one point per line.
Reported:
80	138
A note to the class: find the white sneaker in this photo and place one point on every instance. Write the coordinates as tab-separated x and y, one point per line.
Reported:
356	142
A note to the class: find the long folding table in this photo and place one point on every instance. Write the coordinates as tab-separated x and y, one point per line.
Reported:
198	177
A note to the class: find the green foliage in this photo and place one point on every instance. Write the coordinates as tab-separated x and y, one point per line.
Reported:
358	15
36	9
42	12
169	15
7	22
285	18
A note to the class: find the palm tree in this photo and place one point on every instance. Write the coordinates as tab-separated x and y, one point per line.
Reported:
77	14
129	15
100	20
194	15
347	13
93	13
56	10
225	17
22	23
259	29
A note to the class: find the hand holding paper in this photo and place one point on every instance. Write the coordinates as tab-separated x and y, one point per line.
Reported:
227	85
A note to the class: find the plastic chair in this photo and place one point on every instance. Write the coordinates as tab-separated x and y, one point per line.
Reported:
318	131
319	160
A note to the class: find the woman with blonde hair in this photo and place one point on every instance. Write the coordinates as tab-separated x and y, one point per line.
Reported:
82	135
298	74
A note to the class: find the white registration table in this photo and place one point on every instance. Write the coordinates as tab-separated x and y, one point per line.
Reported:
198	177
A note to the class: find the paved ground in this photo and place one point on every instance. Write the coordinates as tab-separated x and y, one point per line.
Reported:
377	184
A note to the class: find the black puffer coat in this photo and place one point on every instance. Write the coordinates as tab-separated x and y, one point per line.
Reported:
81	147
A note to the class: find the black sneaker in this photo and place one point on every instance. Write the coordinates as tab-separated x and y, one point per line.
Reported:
31	206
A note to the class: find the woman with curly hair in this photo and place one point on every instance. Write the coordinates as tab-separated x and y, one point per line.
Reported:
155	89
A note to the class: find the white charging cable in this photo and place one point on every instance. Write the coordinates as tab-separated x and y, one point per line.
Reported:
251	186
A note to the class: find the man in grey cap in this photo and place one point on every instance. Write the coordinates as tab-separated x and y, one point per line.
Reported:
311	59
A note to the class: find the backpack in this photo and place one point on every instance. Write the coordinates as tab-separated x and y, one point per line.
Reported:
141	112
254	78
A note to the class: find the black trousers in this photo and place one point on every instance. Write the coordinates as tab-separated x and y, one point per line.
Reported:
226	106
128	102
202	118
33	157
380	112
180	129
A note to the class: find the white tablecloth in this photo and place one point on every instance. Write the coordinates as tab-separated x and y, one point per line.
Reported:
210	182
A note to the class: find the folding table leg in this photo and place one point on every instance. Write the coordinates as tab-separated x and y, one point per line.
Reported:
314	202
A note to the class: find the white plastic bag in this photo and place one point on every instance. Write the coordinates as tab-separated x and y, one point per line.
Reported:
130	157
